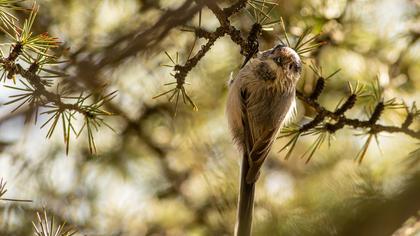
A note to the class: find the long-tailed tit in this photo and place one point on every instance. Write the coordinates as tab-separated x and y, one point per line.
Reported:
260	98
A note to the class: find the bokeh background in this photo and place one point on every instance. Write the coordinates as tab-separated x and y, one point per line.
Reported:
163	175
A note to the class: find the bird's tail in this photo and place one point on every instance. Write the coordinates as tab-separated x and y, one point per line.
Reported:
245	201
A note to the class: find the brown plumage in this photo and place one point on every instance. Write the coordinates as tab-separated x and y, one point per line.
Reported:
260	99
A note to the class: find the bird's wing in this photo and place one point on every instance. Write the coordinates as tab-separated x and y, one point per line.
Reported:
257	145
248	137
264	119
258	154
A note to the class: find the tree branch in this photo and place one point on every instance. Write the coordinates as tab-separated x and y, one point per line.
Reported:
342	120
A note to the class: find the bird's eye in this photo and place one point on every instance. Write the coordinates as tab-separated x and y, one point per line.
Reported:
278	60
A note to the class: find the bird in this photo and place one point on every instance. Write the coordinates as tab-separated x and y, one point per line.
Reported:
260	99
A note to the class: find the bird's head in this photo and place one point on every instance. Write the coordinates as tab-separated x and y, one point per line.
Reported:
284	60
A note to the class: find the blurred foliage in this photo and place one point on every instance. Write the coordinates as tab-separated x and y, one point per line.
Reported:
165	175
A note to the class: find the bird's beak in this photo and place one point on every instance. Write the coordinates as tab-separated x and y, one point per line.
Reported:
265	54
